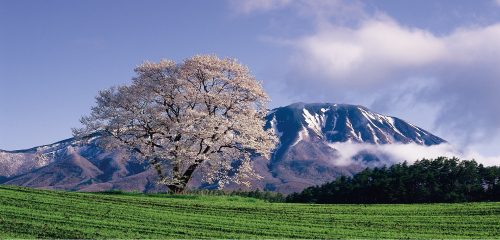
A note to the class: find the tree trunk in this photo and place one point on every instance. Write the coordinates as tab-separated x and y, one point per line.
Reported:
183	179
177	189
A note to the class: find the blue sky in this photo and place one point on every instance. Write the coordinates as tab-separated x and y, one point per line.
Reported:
432	63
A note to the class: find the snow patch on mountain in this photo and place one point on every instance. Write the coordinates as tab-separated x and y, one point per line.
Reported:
376	117
22	161
416	128
271	112
274	125
333	131
376	139
392	123
303	134
316	122
352	132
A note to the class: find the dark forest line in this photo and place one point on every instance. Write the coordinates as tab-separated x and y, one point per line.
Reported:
440	180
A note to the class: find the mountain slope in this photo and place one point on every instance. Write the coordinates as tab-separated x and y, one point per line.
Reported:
305	155
71	171
344	122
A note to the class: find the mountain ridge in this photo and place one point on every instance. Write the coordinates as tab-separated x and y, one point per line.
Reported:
303	157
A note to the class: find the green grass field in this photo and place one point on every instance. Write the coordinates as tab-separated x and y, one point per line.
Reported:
33	213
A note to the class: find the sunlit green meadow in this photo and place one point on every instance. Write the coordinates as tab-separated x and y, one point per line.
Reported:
34	213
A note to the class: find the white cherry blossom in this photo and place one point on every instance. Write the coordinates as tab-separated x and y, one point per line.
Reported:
204	114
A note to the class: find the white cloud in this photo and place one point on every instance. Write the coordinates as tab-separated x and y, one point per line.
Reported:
354	56
380	49
397	153
364	60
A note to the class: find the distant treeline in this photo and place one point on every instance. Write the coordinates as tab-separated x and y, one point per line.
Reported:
441	180
257	193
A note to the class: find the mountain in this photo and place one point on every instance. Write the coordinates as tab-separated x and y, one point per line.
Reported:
66	165
72	170
305	155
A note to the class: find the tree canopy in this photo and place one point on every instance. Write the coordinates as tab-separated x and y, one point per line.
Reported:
204	114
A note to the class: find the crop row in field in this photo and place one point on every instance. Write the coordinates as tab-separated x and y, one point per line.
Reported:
33	213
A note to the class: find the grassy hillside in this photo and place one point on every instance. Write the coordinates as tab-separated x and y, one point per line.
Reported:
33	213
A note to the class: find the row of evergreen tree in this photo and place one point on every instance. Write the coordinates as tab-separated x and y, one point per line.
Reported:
440	180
